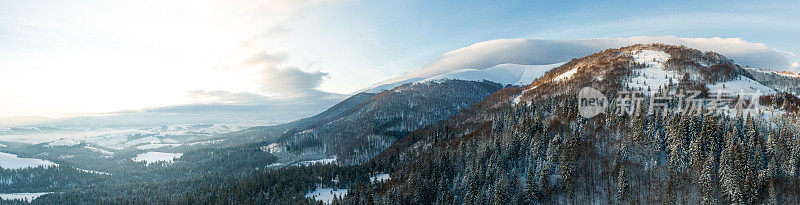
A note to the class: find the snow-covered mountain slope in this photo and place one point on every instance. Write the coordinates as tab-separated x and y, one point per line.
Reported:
486	54
371	126
779	81
611	71
358	134
504	74
789	74
648	68
654	76
741	84
389	86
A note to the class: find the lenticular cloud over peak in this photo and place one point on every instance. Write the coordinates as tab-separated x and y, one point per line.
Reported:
541	52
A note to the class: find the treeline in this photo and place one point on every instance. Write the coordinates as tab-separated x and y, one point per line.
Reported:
41	179
286	185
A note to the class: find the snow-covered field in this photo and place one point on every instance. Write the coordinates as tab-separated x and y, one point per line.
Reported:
23	196
12	161
153	157
118	138
326	194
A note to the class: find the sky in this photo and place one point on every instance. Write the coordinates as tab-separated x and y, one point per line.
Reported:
84	57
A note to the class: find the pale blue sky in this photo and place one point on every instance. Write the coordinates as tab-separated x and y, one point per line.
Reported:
60	58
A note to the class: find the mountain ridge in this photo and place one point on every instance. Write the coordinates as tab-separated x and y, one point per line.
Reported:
543	152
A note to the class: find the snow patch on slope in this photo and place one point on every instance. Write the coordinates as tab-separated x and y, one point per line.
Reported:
653	75
518	98
382	177
740	85
205	142
273	148
566	75
326	194
92	171
155	146
98	150
63	143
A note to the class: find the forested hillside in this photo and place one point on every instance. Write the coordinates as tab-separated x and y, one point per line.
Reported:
504	152
358	134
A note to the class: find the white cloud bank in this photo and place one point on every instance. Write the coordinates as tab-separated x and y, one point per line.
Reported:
540	52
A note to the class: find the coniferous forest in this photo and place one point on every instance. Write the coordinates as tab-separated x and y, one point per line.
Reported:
537	154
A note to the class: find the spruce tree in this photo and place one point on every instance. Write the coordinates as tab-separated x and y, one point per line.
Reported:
708	181
623	186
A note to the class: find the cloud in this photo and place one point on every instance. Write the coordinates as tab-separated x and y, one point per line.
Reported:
223	96
265	23
795	67
277	78
286	92
271	7
291	81
741	51
258	109
13	121
264	58
539	52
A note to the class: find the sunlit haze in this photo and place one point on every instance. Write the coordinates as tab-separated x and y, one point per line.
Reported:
68	58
